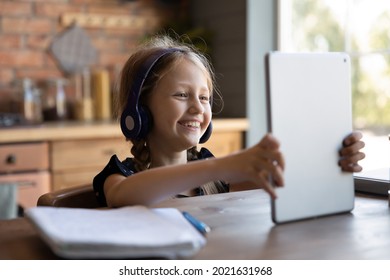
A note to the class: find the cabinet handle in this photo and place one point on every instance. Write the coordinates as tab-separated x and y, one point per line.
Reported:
11	159
25	183
21	183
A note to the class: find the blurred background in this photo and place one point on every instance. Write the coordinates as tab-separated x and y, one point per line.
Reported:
46	44
360	28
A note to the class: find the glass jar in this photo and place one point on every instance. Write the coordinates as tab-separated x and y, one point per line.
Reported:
54	101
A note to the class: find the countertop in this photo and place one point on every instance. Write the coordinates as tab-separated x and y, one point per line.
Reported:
69	130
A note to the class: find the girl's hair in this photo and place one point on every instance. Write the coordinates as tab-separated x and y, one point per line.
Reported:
139	148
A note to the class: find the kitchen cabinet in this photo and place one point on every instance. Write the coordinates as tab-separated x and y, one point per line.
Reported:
76	162
27	166
72	153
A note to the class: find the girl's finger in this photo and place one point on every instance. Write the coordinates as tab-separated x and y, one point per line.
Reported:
265	184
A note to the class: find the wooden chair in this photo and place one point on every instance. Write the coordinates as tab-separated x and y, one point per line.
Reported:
75	197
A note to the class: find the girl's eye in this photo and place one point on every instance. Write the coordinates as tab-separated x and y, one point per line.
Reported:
181	94
205	98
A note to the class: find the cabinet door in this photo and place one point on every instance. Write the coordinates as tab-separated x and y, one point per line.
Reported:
63	180
30	186
76	162
75	155
224	143
24	157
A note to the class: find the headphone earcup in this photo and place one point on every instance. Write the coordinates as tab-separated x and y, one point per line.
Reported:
129	124
136	125
206	135
136	119
146	122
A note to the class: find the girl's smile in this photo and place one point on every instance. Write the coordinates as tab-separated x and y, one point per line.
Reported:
193	124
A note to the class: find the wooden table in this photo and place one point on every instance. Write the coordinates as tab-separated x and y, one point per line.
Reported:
242	229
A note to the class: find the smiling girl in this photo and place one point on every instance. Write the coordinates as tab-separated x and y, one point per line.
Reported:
164	105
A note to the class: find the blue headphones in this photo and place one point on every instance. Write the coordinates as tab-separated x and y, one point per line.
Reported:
136	120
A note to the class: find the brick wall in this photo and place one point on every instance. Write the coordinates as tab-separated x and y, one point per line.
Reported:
27	28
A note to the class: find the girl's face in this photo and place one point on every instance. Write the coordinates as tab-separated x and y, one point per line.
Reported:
180	107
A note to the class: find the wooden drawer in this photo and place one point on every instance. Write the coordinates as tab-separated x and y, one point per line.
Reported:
30	186
91	153
224	143
24	157
63	180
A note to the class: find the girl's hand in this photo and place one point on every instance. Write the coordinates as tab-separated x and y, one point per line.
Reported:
256	165
350	153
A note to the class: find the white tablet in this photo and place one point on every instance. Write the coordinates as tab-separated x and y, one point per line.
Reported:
310	113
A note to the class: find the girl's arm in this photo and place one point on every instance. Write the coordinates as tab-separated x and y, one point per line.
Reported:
151	186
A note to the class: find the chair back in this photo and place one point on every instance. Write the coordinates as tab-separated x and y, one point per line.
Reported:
75	197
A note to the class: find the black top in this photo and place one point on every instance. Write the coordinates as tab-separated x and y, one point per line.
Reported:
127	168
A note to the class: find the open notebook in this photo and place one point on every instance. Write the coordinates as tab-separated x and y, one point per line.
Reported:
128	232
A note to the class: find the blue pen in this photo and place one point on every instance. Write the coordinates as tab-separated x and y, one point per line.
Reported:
200	226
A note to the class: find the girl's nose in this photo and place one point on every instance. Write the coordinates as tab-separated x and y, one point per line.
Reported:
196	107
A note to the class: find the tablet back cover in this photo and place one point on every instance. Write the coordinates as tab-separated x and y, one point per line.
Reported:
309	112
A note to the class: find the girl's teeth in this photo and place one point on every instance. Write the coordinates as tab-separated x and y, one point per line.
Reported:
192	124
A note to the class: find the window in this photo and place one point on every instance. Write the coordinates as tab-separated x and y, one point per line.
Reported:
361	29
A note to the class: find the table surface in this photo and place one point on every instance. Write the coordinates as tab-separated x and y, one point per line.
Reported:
242	229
